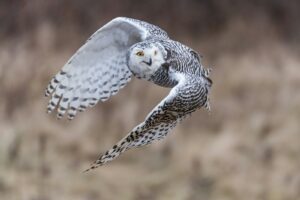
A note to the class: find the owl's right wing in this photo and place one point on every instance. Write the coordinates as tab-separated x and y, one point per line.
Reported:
98	69
187	96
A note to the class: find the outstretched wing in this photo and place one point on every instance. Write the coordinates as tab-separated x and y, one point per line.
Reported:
98	69
187	96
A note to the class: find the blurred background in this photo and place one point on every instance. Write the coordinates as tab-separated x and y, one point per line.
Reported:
248	148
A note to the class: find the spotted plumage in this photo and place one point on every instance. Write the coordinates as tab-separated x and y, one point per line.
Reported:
121	49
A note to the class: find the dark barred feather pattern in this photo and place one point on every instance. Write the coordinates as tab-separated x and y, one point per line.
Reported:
75	88
190	94
100	68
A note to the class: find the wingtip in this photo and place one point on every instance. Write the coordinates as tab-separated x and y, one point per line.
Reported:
48	110
46	93
70	118
59	116
86	170
93	166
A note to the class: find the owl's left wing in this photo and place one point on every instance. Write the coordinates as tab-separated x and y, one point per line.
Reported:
187	96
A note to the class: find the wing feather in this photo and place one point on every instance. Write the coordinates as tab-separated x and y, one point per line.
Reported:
98	69
187	96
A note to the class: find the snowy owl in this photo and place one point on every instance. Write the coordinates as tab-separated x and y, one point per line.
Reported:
119	50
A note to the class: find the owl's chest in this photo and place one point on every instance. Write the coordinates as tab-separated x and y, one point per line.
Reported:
163	78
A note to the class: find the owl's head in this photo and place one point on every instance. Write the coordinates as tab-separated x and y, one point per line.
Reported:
145	58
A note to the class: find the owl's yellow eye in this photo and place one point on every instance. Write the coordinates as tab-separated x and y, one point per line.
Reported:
140	53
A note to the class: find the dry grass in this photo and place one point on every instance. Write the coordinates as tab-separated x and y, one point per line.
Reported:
248	148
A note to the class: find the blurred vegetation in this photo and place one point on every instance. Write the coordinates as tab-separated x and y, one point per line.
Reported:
247	148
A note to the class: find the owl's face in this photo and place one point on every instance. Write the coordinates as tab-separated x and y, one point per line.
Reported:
144	59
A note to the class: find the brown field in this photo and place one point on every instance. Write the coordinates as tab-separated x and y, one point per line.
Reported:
247	148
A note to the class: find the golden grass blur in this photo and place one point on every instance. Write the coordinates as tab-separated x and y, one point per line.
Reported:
247	148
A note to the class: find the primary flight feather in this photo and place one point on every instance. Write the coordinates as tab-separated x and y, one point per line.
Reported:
123	48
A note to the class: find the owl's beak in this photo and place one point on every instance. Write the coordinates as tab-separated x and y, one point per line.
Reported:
149	62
